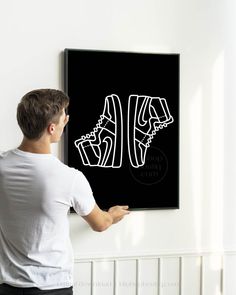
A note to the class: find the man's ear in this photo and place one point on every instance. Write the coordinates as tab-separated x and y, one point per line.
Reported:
51	128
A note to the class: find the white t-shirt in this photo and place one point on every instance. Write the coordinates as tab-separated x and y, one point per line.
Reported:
36	193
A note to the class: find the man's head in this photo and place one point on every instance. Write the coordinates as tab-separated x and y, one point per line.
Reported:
43	110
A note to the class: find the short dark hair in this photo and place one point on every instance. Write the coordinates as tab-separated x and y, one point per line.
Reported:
38	108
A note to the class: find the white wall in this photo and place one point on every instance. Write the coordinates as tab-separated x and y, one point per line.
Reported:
33	35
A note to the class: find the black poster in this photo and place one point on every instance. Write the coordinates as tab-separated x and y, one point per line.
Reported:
123	132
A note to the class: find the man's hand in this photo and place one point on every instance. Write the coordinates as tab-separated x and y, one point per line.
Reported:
118	212
100	220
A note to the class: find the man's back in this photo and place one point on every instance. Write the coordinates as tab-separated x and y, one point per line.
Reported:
36	192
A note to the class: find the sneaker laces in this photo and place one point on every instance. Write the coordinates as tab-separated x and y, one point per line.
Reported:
151	135
95	129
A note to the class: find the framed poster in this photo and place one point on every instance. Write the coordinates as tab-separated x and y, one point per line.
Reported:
123	132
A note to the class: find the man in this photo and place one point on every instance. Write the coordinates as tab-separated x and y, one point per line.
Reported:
36	193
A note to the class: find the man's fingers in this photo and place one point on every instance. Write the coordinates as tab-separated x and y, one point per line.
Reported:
125	207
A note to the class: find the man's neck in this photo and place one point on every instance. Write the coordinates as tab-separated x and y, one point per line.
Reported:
40	146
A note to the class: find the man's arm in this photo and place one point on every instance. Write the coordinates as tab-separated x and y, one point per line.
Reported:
100	220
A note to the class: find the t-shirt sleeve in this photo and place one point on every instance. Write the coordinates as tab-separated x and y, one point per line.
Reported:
82	199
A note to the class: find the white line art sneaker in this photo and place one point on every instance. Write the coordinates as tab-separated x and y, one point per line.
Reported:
146	115
103	147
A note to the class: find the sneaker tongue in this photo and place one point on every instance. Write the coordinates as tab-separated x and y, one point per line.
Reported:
157	111
108	111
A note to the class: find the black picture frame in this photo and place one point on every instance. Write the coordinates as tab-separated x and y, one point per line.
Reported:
121	84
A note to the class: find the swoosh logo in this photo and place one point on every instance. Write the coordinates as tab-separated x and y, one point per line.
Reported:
141	115
109	143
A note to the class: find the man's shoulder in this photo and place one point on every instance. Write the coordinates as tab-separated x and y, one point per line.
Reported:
67	168
5	159
4	154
